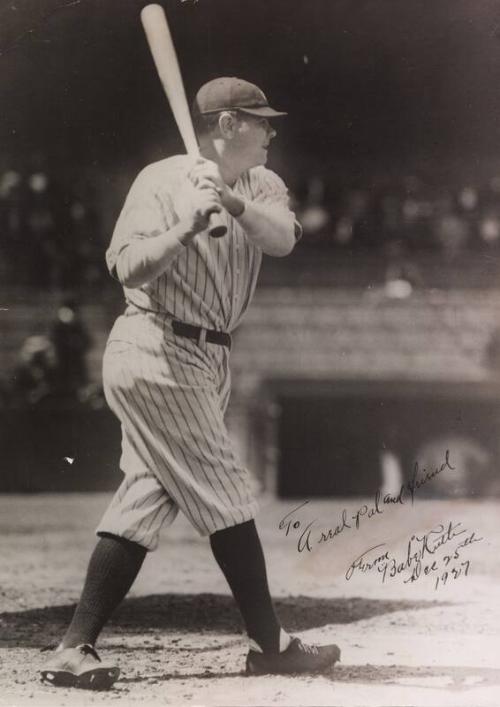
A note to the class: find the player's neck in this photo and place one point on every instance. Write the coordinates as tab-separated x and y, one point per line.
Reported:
229	169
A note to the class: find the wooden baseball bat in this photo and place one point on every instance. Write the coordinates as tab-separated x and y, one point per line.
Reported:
159	37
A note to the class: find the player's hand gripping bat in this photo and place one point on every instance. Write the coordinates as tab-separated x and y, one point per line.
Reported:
162	48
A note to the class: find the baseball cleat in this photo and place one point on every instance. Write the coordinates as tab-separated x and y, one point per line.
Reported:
79	667
297	658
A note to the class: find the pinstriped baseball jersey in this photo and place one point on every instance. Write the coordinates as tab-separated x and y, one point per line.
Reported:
212	281
170	393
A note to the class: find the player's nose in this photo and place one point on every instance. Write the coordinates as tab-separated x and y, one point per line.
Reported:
271	131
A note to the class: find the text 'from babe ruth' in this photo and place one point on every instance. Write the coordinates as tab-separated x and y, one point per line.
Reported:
440	554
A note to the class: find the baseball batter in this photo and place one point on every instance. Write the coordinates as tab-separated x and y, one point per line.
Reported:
166	376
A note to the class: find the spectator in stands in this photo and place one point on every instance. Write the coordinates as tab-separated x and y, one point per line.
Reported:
12	255
402	274
358	209
313	215
489	229
468	207
450	229
390	219
343	232
416	215
489	195
85	263
71	342
34	379
45	256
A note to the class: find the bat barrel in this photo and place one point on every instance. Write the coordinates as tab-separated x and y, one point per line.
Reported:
154	21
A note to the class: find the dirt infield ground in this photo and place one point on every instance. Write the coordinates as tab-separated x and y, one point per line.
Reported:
178	636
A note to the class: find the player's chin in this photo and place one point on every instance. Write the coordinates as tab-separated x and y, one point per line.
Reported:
261	158
257	159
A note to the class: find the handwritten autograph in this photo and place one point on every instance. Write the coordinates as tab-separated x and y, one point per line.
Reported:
309	535
424	556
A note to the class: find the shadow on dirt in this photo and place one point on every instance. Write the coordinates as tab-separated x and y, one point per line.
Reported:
194	613
445	677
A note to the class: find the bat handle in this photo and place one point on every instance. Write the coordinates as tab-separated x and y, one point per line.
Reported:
216	226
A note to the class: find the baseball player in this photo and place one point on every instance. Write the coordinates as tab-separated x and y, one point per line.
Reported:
166	377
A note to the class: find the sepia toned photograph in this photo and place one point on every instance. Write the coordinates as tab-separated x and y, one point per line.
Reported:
249	353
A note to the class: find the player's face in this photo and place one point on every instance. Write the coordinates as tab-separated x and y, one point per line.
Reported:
252	139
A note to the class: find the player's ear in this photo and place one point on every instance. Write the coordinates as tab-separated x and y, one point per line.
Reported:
227	124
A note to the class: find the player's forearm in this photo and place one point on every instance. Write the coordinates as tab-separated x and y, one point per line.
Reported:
271	228
145	260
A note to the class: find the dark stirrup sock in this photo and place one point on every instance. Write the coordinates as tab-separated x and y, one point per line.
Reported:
113	567
238	552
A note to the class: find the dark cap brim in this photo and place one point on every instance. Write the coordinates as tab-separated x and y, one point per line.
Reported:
264	111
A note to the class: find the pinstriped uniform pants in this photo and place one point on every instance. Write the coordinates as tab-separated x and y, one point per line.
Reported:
170	395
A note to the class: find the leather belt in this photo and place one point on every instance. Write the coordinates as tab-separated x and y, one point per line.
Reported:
200	334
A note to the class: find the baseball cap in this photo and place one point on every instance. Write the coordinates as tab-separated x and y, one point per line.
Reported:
231	93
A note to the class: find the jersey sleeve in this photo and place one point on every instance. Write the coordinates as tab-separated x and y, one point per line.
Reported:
269	189
146	213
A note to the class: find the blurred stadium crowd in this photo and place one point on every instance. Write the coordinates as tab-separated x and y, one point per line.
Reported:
419	214
51	235
52	232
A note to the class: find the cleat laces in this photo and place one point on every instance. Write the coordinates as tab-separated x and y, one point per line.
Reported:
87	649
313	650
